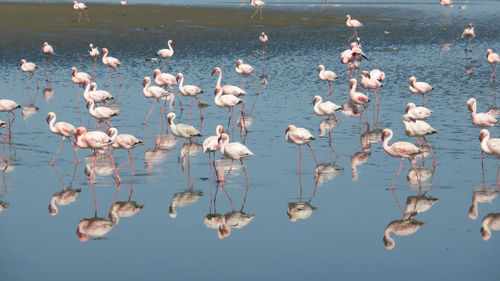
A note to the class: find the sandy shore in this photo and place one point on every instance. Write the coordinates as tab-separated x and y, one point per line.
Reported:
36	17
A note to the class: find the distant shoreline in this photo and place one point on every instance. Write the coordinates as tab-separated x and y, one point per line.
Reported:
36	17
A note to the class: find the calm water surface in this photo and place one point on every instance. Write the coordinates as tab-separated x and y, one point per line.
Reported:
340	237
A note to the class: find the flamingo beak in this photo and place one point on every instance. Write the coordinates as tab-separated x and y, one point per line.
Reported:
213	71
286	131
48	119
219	139
383	136
470	108
88	105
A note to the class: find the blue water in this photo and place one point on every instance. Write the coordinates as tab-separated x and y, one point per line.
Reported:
341	239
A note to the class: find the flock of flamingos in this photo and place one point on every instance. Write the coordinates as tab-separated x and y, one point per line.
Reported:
364	88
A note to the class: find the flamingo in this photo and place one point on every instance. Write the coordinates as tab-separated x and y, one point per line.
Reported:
62	198
233	151
489	146
420	88
80	79
352	58
94	226
300	136
481	196
154	92
263	39
327	75
166	80
9	106
468	34
489	223
417	112
483	120
367	82
166	53
123	3
352	23
189	91
29	67
47	50
357	97
259	4
124	141
125	209
112	63
227	89
64	129
401	228
96	95
3	125
494	59
79	7
327	108
94	53
182	130
419	128
182	199
399	149
211	144
229	101
100	113
245	69
95	140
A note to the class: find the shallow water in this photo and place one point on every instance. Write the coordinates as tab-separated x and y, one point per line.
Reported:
344	232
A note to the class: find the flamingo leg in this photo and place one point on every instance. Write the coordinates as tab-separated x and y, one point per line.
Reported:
119	82
482	164
199	105
3	148
300	164
118	179
109	78
253	82
87	15
177	95
432	154
152	108
95	65
131	164
397	175
254	14
314	155
79	17
261	17
191	110
59	149
227	175
418	177
246	178
74	151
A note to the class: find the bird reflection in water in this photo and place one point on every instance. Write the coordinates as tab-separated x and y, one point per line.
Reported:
489	223
418	204
187	197
29	110
402	227
125	209
4	167
422	173
234	219
48	93
484	195
65	196
302	210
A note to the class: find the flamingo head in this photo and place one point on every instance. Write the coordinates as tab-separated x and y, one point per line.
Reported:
382	76
75	2
111	131
170	42
23	61
145	81
470	104
223	136
262	34
90	102
91	46
93	85
384	133
413	80
347	17
179	77
223	231
52	211
104	51
316	99
320	68
365	73
483	134
238	63
73	71
217	90
470	25
45	44
170	117
156	72
488	52
358	41
83	237
388	244
352	82
409	106
215	70
220	129
50	116
486	235
289	128
291	216
86	82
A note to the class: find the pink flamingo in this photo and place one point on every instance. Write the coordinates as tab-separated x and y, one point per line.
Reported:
166	80
80	79
328	76
469	34
47	50
494	59
79	7
357	97
124	141
166	53
326	108
182	130
483	120
245	69
211	144
233	151
66	130
229	101
100	113
227	89
29	67
154	92
96	95
419	128
417	112
94	53
189	91
489	146
300	136
400	149
112	63
259	4
352	23
489	223
420	88
62	198
95	140
263	39
9	106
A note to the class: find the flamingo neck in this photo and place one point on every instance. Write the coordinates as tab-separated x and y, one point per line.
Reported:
181	84
53	204
217	99
387	148
51	124
387	235
484	145
92	107
223	146
145	90
86	92
105	58
113	136
114	216
170	47
316	105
